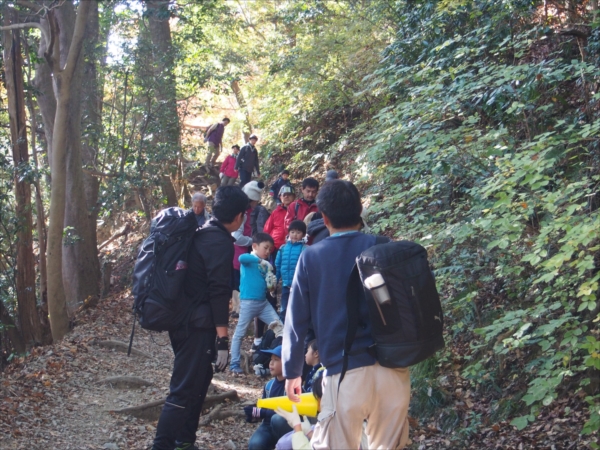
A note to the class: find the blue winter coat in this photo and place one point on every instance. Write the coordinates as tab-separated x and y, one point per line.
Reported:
287	260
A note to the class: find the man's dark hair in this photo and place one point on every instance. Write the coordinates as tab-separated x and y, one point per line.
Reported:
259	238
297	225
228	203
226	119
339	200
313	344
235	146
285	172
310	182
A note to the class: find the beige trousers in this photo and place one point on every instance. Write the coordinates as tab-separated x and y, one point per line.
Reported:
373	393
212	154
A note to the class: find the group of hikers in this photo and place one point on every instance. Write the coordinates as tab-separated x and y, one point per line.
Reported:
235	265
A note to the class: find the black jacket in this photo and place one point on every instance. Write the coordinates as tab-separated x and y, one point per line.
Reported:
208	280
258	218
317	231
247	159
276	187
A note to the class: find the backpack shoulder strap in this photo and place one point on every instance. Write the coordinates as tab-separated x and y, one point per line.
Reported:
296	208
269	386
354	289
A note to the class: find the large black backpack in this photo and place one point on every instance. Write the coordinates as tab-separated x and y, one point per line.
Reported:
160	270
408	328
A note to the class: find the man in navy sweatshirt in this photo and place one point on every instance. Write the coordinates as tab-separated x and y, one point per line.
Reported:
318	298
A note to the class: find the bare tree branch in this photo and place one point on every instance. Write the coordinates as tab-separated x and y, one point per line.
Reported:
23	26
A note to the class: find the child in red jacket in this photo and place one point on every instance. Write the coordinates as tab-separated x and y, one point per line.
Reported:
228	173
275	224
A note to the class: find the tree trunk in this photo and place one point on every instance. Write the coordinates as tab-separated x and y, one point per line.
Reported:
64	87
81	268
163	61
241	100
29	321
91	119
11	331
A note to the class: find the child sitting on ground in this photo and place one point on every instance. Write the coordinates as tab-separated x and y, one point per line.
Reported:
256	278
299	438
273	426
312	359
287	260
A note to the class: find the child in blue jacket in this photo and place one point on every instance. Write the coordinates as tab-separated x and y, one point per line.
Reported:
287	259
256	278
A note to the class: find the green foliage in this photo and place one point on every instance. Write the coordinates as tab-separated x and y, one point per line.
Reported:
482	156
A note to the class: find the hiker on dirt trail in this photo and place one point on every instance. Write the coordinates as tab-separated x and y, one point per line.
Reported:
247	161
331	175
275	226
283	180
199	207
260	214
206	285
318	298
273	426
287	260
214	139
258	218
257	278
299	209
228	173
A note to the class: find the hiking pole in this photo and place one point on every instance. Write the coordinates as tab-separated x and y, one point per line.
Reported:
131	337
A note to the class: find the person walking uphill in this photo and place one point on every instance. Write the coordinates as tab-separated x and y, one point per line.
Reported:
318	298
247	161
207	287
214	138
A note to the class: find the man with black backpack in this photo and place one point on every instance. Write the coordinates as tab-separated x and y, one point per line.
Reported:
369	391
207	289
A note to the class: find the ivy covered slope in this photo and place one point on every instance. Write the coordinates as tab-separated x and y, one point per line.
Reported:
478	137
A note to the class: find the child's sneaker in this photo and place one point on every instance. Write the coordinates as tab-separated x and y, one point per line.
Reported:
237	370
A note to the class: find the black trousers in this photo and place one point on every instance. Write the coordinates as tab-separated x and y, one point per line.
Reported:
194	350
245	177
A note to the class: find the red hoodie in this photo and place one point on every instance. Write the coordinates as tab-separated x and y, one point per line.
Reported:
275	226
228	167
299	212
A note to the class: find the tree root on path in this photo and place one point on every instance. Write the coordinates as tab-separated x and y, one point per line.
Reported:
220	413
125	382
121	347
151	410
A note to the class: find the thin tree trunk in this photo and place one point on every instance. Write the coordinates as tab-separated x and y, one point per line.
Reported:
29	321
241	100
57	305
41	216
13	333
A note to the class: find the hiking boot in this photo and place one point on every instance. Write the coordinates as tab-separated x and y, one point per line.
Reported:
237	370
234	315
186	446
